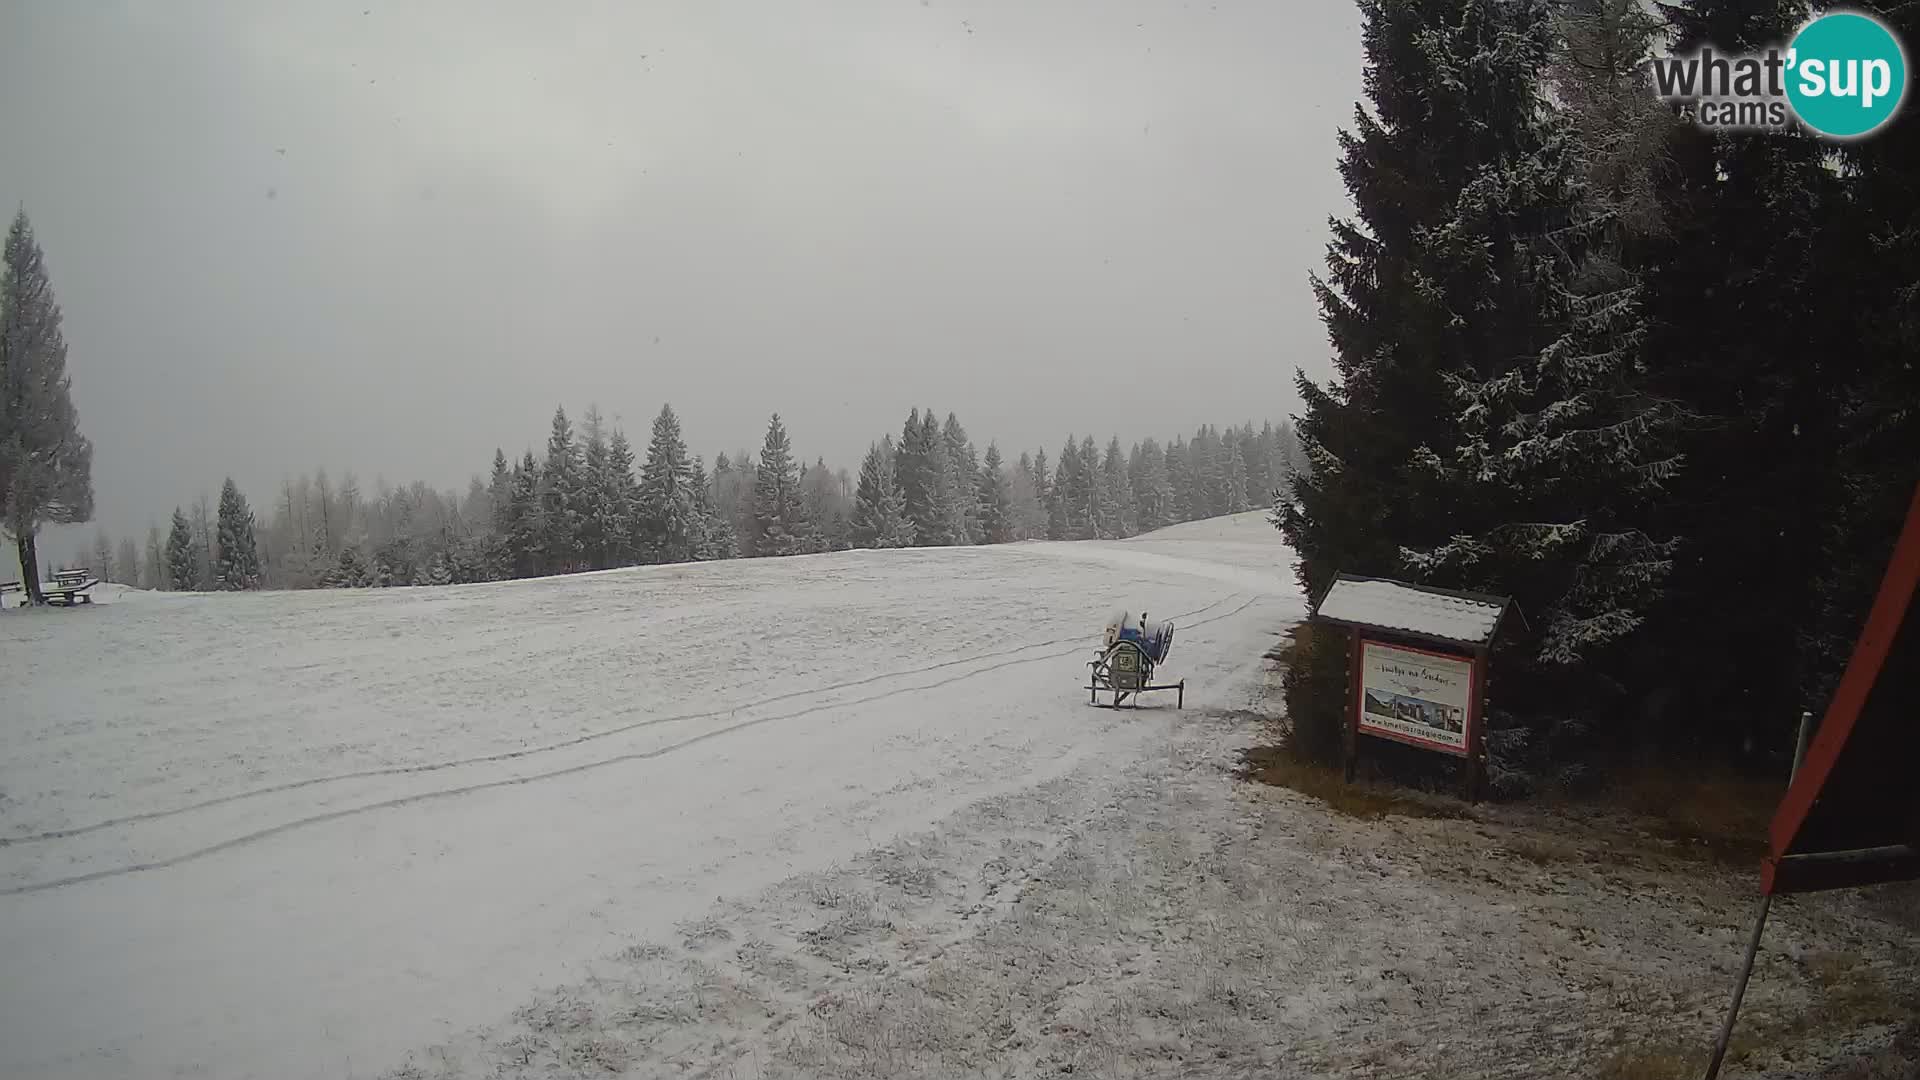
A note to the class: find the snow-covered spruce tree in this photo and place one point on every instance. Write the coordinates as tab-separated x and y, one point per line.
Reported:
595	491
1121	520
733	480
913	468
879	506
1179	482
1043	495
1198	458
827	506
1029	518
1100	509
1761	492
947	521
1072	495
671	533
780	526
966	468
182	574
562	482
1234	479
1563	450
237	554
998	524
714	532
526	535
621	512
1152	488
46	465
1421	288
1253	452
394	562
501	517
432	571
351	571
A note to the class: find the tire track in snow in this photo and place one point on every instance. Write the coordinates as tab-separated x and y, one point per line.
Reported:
641	755
530	751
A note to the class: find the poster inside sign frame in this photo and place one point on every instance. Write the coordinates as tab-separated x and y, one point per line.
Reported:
1417	696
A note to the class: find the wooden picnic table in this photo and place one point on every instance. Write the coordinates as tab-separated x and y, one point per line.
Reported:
68	587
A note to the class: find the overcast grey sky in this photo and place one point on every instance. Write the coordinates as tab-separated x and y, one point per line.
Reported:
389	238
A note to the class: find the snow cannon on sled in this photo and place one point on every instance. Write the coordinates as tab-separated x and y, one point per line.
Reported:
1132	648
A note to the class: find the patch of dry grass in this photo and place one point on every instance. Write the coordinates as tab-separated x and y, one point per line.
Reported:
1899	1061
1651	1063
1544	850
1850	997
1273	766
1715	813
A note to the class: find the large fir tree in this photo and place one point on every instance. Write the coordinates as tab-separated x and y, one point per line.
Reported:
946	494
780	526
1767	254
526	536
562	495
1179	482
1562	443
1043	494
879	506
1117	506
712	532
919	480
966	470
1424	286
46	465
594	505
182	574
237	555
671	524
1072	495
1152	489
995	499
622	506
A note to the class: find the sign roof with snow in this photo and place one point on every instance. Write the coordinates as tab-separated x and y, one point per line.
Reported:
1459	618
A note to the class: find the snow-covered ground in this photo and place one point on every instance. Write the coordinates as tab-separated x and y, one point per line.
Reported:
838	816
306	834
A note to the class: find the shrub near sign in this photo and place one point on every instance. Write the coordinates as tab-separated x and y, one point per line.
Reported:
1416	696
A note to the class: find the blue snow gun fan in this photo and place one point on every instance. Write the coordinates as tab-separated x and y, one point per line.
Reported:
1133	647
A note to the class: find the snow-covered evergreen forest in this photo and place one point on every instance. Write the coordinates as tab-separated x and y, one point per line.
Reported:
590	500
1654	381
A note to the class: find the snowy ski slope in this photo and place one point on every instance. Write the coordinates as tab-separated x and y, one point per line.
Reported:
299	834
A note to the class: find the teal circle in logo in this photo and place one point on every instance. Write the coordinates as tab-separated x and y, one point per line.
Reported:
1847	74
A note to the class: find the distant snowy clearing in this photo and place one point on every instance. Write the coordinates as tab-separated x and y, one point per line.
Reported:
299	834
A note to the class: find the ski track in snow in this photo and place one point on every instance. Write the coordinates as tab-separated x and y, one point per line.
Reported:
443	793
232	849
511	755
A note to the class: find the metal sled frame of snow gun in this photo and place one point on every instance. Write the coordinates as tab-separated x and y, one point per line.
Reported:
1124	670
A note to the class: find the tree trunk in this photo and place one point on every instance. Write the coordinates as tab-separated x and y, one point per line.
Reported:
30	568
